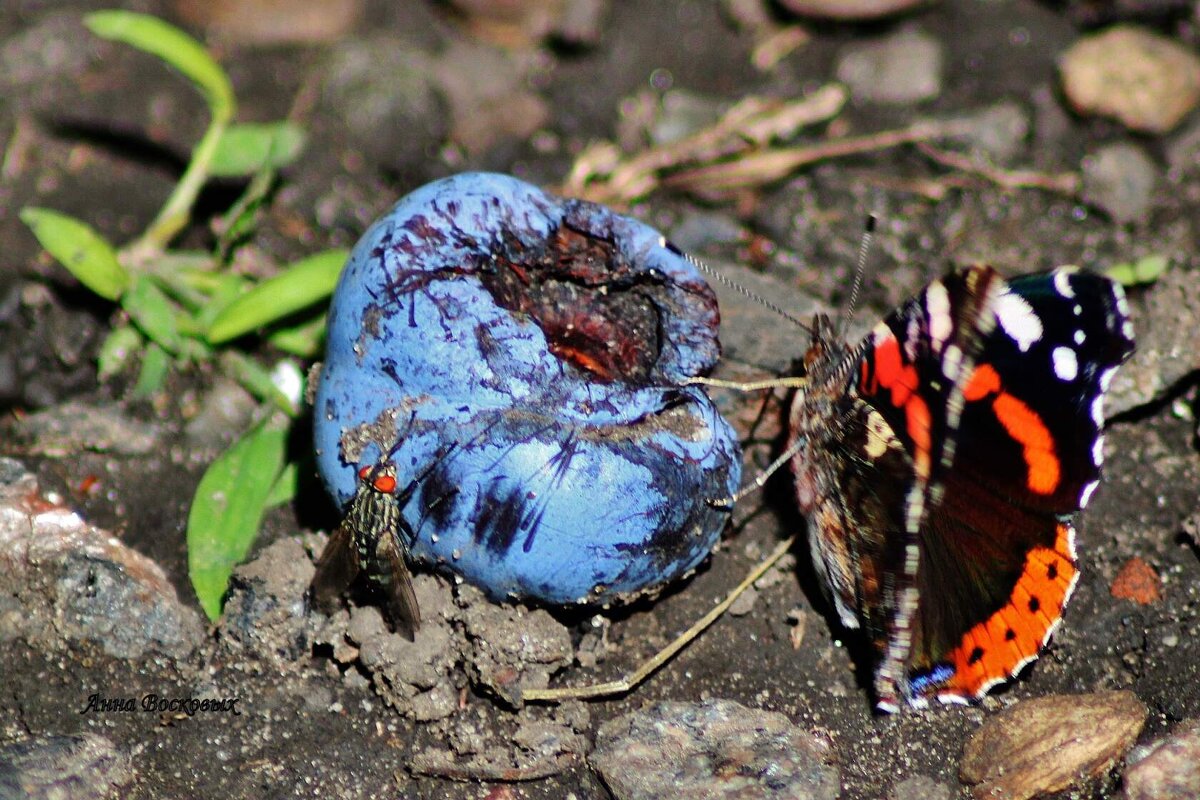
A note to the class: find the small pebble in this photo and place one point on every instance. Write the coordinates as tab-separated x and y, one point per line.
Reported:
709	751
1170	770
1049	743
899	69
1146	81
1165	319
70	581
919	787
1120	179
1137	581
849	9
83	767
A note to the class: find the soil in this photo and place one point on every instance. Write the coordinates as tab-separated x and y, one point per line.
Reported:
101	132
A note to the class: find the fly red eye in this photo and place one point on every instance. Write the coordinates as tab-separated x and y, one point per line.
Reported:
385	484
363	473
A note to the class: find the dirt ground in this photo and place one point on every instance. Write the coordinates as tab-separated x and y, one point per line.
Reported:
101	132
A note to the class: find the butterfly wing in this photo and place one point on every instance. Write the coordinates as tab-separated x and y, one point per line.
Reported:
911	374
998	554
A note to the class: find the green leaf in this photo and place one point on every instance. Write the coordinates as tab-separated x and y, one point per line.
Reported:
303	340
285	488
257	380
1144	270
153	35
222	290
155	364
118	350
247	148
79	248
153	313
297	287
228	509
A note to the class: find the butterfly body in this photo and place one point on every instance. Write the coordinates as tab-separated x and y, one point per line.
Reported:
940	463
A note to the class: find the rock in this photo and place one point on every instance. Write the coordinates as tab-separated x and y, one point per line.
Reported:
1137	581
997	132
264	618
850	9
66	580
710	750
83	767
919	787
524	23
1168	769
1049	743
273	22
1183	150
535	743
899	69
1146	81
1120	180
513	648
72	427
381	89
419	678
1165	317
223	411
487	94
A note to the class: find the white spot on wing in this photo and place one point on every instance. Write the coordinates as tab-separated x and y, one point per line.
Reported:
1062	283
1066	367
1098	410
1017	319
937	306
951	362
1080	337
1087	493
1106	378
1098	451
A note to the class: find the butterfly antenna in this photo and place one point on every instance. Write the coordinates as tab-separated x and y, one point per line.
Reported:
864	250
737	287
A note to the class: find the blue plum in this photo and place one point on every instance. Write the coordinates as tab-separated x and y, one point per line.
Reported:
519	362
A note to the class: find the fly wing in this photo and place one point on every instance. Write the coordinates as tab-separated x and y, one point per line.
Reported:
336	569
397	583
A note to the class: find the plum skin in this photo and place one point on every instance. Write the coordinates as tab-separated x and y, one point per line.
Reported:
527	357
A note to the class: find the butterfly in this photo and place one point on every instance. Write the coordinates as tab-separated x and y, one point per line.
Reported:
941	462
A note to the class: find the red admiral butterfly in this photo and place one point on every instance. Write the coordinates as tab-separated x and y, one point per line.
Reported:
940	464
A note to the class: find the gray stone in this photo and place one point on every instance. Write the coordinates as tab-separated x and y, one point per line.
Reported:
83	767
899	69
1168	769
1165	318
919	787
1120	179
717	749
65	580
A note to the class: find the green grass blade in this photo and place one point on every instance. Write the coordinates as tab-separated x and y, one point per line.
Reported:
249	147
153	35
303	340
117	351
1145	270
79	248
302	284
228	508
153	313
156	362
